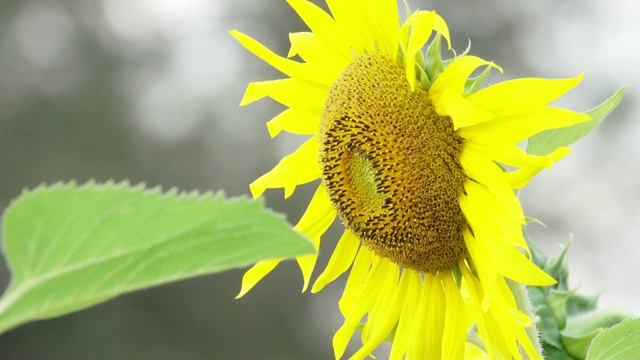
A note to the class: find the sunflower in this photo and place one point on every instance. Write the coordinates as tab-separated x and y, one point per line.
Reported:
420	165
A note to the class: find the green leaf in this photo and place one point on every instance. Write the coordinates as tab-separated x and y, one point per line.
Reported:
71	247
547	141
582	329
621	342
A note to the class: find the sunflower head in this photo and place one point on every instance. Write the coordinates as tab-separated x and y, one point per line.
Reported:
410	154
391	166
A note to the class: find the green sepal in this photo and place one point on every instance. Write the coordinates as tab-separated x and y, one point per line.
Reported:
558	267
472	85
557	301
430	65
424	78
407	8
420	60
448	62
434	66
579	303
535	221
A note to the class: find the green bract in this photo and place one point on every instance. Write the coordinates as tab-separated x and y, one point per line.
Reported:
567	321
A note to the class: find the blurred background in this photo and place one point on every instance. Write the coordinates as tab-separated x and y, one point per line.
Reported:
147	90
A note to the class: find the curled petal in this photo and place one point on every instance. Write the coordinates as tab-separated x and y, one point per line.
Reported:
314	223
297	168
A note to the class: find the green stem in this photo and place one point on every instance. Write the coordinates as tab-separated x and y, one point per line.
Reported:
522	301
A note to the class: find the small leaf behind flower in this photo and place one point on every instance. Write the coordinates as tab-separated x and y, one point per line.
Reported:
620	342
71	247
547	141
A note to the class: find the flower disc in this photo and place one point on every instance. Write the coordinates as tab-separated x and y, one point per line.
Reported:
391	166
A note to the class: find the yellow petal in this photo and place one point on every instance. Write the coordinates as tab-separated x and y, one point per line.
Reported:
518	321
407	322
255	274
288	67
294	121
421	25
512	96
366	17
506	301
512	155
361	303
436	307
315	221
455	325
341	259
322	57
513	129
387	313
454	76
514	265
448	88
323	26
504	345
461	111
506	259
509	224
485	269
351	25
287	92
440	26
355	281
520	178
509	323
297	168
388	23
426	337
480	315
507	154
384	313
473	352
488	173
475	291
